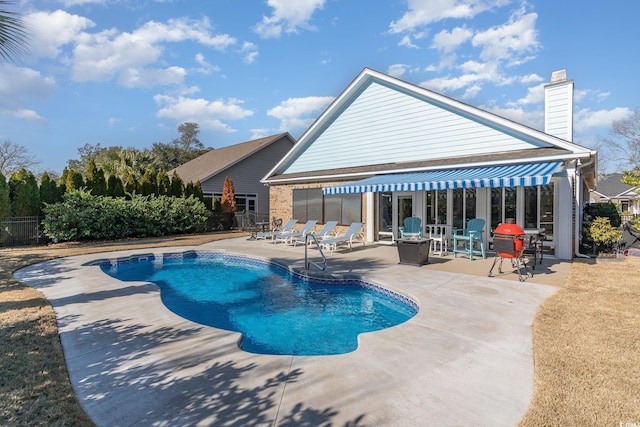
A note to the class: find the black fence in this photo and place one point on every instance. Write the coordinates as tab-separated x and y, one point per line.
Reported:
21	231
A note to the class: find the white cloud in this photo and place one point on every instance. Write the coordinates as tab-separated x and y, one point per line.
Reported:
531	118
425	12
535	95
287	16
26	115
514	38
17	86
397	70
210	115
448	41
50	31
298	113
586	119
106	55
250	52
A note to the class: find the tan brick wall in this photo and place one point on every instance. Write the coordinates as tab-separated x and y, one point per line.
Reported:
281	198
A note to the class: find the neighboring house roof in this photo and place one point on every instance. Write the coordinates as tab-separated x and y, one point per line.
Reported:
612	187
216	161
380	124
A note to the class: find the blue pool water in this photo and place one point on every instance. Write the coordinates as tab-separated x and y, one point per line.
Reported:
276	312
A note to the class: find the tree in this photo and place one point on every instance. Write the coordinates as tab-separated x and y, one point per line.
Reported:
13	33
180	150
149	183
14	157
96	182
132	185
164	183
177	186
74	181
49	191
228	196
24	194
625	142
115	187
5	202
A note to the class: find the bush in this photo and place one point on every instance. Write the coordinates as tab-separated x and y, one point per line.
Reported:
603	210
603	234
82	216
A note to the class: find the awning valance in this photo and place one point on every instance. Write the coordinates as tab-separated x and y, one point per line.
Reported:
523	175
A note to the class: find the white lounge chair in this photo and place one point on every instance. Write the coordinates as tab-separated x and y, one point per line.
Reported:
354	231
287	228
325	233
288	237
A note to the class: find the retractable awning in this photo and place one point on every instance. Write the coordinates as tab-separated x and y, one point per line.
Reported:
523	175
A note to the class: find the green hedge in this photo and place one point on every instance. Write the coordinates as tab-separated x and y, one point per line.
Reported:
82	216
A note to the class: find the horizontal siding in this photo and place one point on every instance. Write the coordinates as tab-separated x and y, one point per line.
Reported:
246	174
383	125
559	111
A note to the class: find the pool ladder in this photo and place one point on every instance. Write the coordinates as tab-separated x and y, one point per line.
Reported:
307	262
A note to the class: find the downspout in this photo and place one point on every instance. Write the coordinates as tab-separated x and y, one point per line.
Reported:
578	197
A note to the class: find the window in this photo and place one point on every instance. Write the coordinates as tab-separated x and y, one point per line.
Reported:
464	206
309	203
436	207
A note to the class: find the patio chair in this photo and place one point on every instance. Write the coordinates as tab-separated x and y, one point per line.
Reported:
412	228
439	235
469	237
287	237
354	231
287	228
325	233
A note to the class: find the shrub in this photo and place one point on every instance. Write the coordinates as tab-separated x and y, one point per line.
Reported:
603	234
82	216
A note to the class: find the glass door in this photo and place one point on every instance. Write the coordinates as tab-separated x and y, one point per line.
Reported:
385	218
405	208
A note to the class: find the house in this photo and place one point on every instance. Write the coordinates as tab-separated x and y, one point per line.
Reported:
386	149
245	164
612	190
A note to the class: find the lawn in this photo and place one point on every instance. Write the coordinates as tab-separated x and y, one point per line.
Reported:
586	344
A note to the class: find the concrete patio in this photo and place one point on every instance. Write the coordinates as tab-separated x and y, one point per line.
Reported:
464	359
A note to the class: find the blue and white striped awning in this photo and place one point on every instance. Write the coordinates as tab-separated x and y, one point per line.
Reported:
524	175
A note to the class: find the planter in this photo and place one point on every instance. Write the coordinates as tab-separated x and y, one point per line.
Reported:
413	251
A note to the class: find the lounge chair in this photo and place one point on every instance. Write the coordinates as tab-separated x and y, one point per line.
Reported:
287	237
469	237
412	228
354	231
287	228
325	233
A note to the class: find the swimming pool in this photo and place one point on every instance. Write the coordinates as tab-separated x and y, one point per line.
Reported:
276	310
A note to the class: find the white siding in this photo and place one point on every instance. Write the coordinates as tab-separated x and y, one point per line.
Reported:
383	125
559	110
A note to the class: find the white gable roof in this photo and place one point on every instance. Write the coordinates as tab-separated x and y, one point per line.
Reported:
379	119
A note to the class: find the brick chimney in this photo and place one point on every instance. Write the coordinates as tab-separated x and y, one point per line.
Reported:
558	106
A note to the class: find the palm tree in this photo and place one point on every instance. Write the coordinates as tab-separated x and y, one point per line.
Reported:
13	33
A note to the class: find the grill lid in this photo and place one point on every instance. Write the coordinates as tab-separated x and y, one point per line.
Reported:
509	230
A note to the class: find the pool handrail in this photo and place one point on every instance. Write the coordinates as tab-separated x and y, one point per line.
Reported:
307	262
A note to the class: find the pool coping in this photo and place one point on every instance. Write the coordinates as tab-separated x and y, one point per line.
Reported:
465	358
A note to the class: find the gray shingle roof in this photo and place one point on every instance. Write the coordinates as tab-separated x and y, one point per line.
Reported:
215	161
612	185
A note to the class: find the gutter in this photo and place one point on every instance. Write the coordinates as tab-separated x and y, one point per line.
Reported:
578	195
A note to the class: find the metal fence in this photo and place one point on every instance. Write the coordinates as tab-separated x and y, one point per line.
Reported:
20	231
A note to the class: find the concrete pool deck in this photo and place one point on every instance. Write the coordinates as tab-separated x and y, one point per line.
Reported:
464	359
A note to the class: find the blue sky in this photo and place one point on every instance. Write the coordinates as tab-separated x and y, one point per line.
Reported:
128	72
